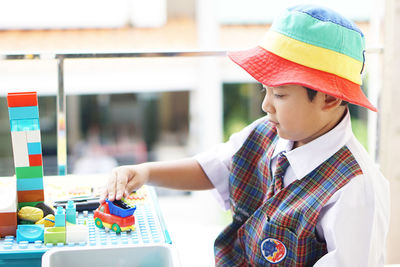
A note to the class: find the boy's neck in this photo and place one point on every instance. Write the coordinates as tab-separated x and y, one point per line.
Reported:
329	126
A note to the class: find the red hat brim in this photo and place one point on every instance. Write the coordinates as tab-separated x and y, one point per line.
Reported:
272	70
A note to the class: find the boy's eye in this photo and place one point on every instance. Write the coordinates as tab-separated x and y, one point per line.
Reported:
278	96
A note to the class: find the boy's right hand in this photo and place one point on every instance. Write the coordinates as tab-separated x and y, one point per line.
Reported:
123	181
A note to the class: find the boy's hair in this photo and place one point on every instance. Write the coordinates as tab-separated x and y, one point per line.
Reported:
311	94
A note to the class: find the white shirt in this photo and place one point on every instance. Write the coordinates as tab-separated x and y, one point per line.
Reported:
354	222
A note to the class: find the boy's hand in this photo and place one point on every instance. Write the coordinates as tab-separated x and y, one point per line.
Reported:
123	181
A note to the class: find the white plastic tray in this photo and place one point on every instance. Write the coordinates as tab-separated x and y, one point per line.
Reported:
159	255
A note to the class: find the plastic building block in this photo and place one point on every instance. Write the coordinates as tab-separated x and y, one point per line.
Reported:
21	113
30	196
104	219
22	99
30	204
25	125
20	149
29	172
8	223
30	232
70	211
29	184
34	148
60	217
77	233
35	160
8	195
54	235
33	136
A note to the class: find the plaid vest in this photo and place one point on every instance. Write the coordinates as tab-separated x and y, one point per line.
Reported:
281	230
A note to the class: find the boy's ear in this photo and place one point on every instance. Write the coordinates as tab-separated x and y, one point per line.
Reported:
331	102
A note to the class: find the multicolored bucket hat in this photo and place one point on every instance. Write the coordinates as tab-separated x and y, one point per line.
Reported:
311	46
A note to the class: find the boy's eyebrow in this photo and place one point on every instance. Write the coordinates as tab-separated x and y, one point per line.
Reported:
281	87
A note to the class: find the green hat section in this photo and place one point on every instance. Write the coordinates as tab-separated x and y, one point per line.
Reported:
327	34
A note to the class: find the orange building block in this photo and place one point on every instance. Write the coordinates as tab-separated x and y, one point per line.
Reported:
8	223
30	196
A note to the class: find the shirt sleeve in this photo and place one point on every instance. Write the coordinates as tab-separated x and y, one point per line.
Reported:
216	162
354	224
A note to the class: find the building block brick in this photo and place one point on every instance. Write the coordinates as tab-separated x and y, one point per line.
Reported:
20	113
8	196
59	217
30	232
33	136
31	204
8	230
29	172
24	125
35	160
30	196
70	212
34	148
77	233
22	99
30	184
8	223
54	235
8	218
20	149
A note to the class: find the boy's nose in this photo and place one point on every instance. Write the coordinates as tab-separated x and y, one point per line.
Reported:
267	106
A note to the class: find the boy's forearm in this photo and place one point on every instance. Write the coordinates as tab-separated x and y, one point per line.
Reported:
185	174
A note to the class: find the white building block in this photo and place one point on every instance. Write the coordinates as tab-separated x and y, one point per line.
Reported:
8	194
20	149
77	233
33	136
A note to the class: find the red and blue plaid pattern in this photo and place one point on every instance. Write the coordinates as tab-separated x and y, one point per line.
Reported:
289	216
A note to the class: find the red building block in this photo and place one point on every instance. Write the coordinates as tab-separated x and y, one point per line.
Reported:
30	196
24	99
8	223
35	160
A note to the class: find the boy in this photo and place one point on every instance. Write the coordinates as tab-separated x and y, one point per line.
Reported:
302	189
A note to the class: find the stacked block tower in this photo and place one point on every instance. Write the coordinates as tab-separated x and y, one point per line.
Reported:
27	148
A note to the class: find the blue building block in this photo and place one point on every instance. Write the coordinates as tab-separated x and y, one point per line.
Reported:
20	113
29	184
24	125
70	210
59	217
30	232
34	148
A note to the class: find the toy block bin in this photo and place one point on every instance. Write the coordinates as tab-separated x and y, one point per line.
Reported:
120	211
130	255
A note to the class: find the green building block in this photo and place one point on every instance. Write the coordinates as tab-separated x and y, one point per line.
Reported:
31	204
54	235
29	172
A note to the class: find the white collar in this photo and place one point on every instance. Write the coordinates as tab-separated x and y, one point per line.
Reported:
306	158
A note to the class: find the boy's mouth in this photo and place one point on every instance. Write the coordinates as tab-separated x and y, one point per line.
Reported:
274	123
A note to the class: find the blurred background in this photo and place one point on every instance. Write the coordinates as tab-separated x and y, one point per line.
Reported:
132	110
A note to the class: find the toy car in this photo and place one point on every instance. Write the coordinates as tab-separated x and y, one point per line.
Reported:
116	216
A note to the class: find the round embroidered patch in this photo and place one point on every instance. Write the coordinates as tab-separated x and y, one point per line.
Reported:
273	250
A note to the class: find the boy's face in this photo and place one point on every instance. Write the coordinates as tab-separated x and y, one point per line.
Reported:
295	116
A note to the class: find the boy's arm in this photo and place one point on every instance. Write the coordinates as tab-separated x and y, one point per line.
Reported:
185	174
355	225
